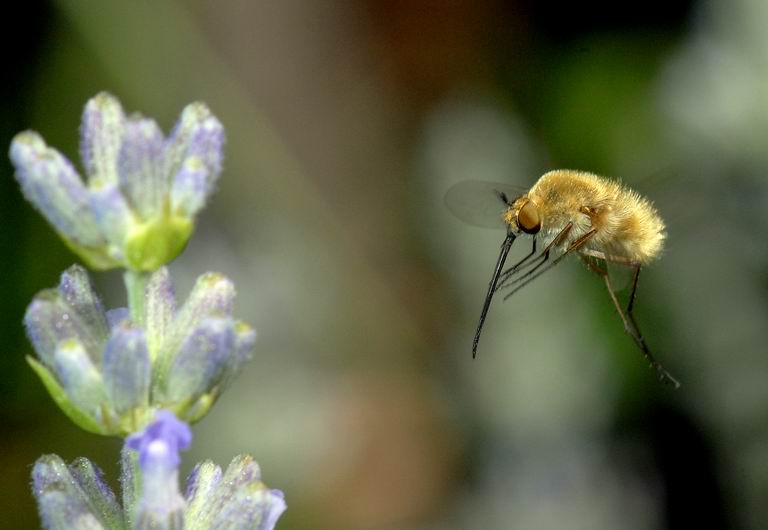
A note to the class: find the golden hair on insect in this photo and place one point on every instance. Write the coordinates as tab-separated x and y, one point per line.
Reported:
626	225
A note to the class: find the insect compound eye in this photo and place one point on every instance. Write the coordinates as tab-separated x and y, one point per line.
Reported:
528	218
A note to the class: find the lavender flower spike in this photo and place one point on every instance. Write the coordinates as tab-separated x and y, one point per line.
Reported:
110	375
136	208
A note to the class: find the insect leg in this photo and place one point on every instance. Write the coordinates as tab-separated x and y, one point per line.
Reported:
529	268
632	329
533	274
540	260
591	265
633	292
514	268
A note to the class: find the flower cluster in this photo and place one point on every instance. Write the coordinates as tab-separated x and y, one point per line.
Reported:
76	496
146	370
110	372
136	209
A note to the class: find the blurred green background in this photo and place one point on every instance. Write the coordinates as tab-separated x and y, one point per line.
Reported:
347	121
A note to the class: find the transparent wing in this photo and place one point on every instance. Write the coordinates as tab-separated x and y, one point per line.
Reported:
481	203
620	275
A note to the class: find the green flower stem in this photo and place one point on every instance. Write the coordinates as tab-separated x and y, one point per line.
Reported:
135	284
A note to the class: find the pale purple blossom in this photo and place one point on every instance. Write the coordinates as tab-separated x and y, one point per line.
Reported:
137	204
159	443
111	374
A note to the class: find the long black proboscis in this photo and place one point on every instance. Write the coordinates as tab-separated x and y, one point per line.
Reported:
492	287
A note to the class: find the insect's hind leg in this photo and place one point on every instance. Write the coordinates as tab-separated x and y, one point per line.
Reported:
630	325
663	374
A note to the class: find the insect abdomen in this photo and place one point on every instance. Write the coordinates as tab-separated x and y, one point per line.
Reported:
625	224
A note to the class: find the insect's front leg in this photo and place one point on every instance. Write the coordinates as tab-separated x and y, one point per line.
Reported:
536	264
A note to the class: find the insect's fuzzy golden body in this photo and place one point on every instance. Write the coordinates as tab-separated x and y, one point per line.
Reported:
626	225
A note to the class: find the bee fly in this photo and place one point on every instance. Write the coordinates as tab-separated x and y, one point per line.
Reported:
568	212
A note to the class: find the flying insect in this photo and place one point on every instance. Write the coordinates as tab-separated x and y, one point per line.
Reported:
566	212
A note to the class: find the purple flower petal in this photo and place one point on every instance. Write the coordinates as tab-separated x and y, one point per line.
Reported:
206	143
198	133
160	505
50	319
190	187
52	185
46	325
79	377
160	309
90	479
202	360
213	294
201	484
112	213
140	166
159	443
77	292
274	506
127	369
117	316
101	135
245	338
